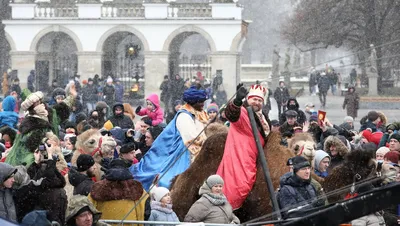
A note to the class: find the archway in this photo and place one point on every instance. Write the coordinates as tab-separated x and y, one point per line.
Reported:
56	59
123	59
190	56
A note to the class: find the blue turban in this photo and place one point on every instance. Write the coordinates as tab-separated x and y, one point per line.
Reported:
194	95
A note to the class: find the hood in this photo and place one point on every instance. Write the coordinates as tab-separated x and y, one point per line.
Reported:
76	203
383	117
36	217
319	155
5	171
334	140
154	99
204	189
351	87
9	103
297	103
118	105
75	178
293	180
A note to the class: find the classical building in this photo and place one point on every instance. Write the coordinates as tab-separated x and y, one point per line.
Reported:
128	40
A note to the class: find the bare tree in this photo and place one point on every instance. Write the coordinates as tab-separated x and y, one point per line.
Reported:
347	23
4	14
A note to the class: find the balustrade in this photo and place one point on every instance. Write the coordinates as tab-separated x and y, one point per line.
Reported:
55	11
176	10
122	10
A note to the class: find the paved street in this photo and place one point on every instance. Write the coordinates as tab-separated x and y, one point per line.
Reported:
334	109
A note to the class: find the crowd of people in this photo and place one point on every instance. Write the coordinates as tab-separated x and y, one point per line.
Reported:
80	154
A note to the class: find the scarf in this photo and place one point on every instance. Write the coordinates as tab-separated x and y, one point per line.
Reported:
41	112
263	122
216	200
199	115
157	206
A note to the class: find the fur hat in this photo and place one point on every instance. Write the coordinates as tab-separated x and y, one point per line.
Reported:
158	193
256	91
214	180
372	116
392	156
299	162
84	162
382	150
31	99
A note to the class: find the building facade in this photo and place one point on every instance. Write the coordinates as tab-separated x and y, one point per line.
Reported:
131	41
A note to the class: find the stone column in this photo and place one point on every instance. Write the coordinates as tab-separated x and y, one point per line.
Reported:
229	63
89	64
24	62
156	66
372	84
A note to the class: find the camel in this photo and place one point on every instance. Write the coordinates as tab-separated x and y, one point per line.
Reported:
184	187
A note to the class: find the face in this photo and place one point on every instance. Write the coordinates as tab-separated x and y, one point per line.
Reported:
304	173
199	106
84	219
281	84
143	128
90	82
166	199
59	100
95	114
333	150
291	120
91	170
275	128
128	156
394	145
255	103
379	156
217	189
149	139
323	165
118	110
69	145
149	106
9	182
178	107
6	138
212	114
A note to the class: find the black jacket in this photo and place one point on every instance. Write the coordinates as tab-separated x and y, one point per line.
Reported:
301	116
281	95
89	93
81	182
295	192
121	120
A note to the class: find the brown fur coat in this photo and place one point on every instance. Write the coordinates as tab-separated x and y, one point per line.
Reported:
106	190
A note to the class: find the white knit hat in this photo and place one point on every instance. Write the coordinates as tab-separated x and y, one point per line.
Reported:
109	79
382	150
257	91
31	99
158	193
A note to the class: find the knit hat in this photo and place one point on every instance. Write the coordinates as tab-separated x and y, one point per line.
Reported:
392	156
300	162
382	150
256	91
84	162
109	79
214	180
348	119
31	99
395	136
158	193
372	116
212	108
108	125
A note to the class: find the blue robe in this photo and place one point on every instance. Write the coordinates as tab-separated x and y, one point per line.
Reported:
164	151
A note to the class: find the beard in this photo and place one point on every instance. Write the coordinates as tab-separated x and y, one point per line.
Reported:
256	108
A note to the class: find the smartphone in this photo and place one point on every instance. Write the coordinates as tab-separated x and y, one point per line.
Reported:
42	147
321	117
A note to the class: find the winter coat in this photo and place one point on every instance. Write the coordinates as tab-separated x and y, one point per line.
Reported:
156	115
31	82
7	206
164	97
116	192
32	130
8	117
51	188
17	89
178	87
281	95
295	192
203	210
301	116
288	130
109	94
119	92
81	182
121	120
324	83
76	203
351	103
341	149
159	213
373	219
89	94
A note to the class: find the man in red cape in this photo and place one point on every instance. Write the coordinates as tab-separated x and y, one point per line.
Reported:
238	166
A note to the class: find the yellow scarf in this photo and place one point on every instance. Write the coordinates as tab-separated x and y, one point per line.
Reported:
200	115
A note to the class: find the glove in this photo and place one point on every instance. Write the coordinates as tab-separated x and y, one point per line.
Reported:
138	109
148	122
240	94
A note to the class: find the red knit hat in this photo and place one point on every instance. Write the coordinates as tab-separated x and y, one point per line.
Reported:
392	156
372	137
